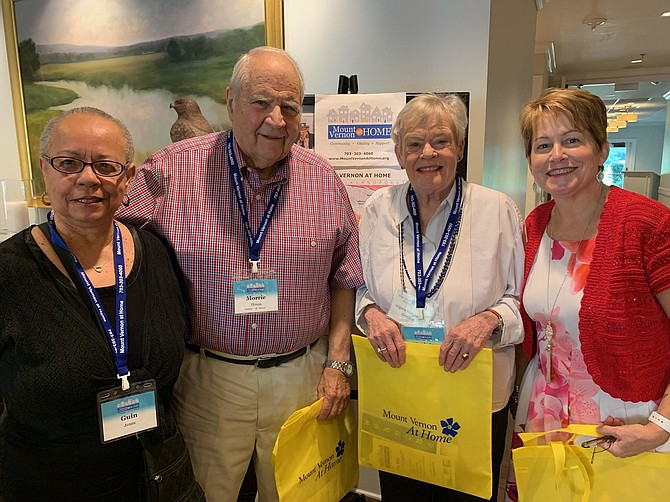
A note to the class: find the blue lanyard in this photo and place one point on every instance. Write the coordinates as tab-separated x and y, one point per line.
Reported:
118	340
423	280
253	243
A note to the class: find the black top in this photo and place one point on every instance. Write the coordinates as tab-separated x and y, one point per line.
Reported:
54	359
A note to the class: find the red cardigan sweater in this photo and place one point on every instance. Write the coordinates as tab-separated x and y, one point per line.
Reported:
623	330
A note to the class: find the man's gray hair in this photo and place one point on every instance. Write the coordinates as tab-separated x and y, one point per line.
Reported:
47	132
240	74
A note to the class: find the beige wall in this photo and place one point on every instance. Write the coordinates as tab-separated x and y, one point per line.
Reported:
423	45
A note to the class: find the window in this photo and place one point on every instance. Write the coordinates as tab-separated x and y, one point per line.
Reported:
620	159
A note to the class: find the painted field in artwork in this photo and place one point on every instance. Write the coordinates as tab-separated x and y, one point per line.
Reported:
133	74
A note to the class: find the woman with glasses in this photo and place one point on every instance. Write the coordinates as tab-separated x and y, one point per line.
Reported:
92	328
468	241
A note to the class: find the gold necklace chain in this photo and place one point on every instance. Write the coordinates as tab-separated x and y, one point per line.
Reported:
549	330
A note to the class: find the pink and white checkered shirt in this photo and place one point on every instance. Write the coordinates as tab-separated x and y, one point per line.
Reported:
184	192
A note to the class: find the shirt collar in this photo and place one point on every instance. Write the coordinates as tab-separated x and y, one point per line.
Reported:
280	175
403	210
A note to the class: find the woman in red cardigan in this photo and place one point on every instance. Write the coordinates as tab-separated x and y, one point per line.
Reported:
596	296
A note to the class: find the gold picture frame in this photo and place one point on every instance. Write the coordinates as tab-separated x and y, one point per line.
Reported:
274	36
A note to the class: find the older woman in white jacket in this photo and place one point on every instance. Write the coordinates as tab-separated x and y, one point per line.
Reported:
465	242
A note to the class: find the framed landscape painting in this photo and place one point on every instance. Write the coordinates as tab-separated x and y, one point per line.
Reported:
130	58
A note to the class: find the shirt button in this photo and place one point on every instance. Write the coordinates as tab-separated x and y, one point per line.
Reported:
258	196
313	244
254	326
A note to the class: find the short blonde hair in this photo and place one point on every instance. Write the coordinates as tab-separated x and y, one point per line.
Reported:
586	112
427	109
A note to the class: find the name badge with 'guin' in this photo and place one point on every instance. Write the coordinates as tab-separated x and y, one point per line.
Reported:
125	413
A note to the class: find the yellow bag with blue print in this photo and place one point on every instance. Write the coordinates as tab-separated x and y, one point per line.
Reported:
316	460
421	422
565	472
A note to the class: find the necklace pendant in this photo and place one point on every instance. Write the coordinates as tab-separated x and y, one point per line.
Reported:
98	269
549	332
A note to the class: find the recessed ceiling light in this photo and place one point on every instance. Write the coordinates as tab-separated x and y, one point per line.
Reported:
666	14
638	60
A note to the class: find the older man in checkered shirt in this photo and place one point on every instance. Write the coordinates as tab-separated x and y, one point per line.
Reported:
266	238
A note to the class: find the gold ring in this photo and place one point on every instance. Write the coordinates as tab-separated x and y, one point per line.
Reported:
465	356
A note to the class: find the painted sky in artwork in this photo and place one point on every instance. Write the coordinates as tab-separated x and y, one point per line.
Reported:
125	22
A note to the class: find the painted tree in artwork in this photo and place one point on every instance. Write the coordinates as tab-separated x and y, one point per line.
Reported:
29	59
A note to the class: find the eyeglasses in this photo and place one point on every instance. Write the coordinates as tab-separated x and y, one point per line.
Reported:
69	165
603	442
436	144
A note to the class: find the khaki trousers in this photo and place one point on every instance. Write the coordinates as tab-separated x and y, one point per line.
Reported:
230	413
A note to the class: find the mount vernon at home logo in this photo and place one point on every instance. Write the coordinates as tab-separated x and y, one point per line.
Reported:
363	122
450	427
325	465
424	430
127	405
359	131
255	287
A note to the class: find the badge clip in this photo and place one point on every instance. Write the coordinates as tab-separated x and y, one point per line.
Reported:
254	266
125	385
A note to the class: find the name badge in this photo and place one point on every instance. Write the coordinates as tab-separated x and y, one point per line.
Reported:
256	295
403	309
125	413
423	334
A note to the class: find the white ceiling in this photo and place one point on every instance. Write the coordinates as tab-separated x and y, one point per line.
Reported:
603	55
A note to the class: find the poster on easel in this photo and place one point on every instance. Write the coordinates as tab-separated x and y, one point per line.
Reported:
353	131
363	164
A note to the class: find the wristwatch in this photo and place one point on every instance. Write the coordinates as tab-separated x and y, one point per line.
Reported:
346	367
501	321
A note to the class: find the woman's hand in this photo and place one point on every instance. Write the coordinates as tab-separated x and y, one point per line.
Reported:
464	341
632	439
385	337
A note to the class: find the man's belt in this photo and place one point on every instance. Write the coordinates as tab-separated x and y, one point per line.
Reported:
260	362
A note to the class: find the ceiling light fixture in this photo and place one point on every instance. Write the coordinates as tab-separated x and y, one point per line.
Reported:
666	14
638	60
594	22
626	117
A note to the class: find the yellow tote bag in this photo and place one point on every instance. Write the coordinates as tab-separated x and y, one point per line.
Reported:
564	472
421	422
316	460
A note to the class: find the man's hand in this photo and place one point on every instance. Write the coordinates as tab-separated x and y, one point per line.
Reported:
334	388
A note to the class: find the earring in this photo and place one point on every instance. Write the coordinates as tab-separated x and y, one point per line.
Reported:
45	199
126	200
601	174
536	188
